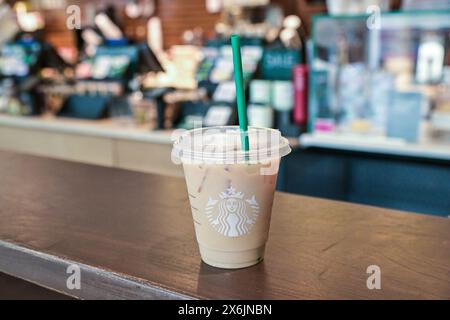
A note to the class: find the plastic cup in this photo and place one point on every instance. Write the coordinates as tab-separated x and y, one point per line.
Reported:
230	190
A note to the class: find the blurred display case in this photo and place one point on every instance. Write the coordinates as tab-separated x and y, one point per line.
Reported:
381	74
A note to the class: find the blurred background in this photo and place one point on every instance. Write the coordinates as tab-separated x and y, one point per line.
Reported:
361	88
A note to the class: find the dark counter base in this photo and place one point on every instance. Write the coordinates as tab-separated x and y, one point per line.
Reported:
393	182
12	288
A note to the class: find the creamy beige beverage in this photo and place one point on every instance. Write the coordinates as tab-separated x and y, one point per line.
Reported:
231	192
231	206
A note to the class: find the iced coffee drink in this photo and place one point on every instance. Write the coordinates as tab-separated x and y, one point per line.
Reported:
231	191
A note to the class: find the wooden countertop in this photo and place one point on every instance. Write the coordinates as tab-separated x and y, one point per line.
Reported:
105	128
132	236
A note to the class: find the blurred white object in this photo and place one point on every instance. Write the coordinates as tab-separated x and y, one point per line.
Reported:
180	64
8	24
139	8
292	22
430	59
225	92
213	6
260	116
260	92
244	3
49	4
217	115
289	35
155	35
28	21
341	7
31	21
107	27
91	37
440	120
290	38
132	9
282	95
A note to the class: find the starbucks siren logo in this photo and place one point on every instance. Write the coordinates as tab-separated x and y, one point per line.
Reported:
232	215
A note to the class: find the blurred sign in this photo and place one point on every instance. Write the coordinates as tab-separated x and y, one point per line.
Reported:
404	115
277	64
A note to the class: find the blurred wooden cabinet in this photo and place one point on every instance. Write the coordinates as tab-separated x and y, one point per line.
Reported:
146	157
81	148
112	152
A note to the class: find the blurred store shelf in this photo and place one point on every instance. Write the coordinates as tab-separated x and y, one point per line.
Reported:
106	142
105	128
426	147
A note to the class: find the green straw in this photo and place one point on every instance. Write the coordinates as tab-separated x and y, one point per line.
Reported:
240	94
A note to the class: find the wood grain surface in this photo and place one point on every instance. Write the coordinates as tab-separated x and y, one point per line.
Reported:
138	227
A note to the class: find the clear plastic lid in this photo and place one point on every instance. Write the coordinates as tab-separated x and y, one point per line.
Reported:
223	145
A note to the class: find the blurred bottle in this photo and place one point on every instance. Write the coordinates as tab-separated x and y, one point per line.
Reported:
291	35
283	103
260	112
300	77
